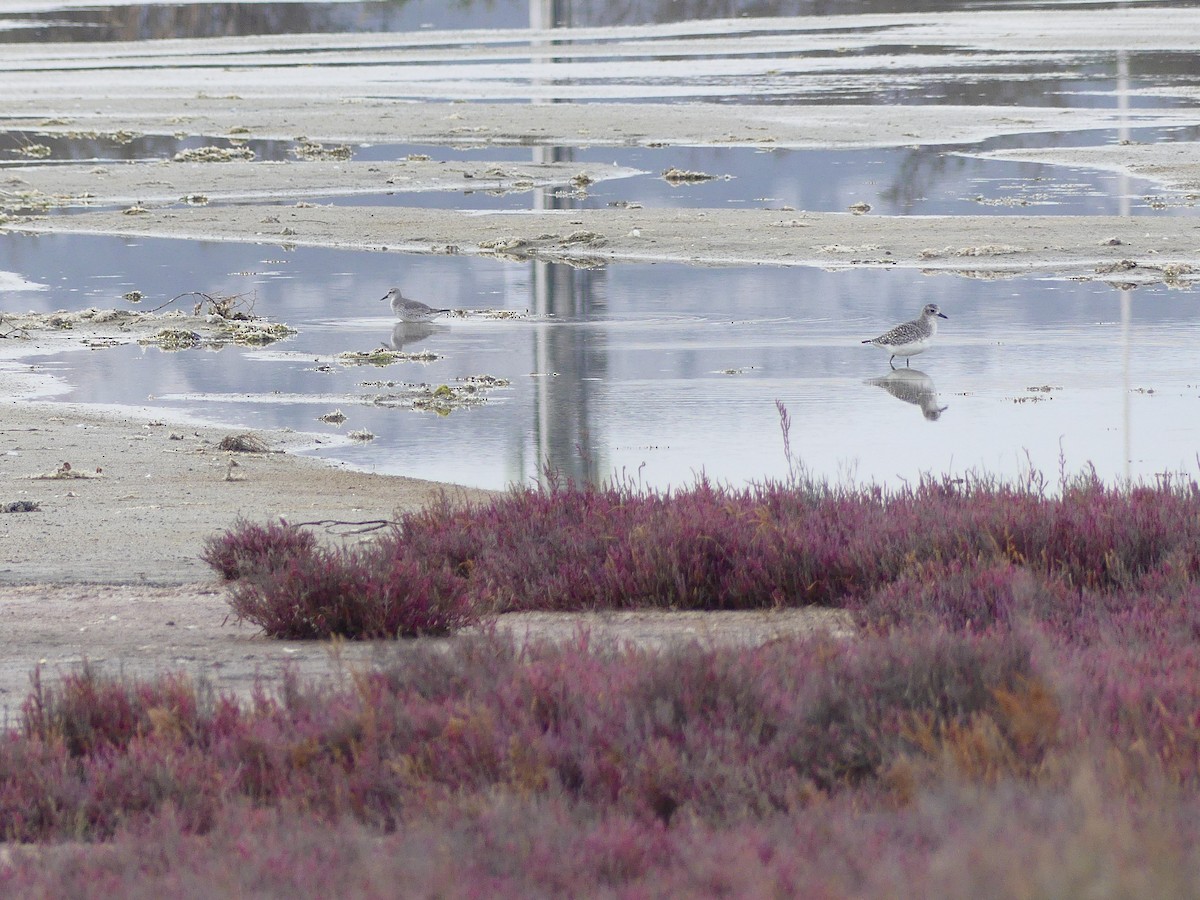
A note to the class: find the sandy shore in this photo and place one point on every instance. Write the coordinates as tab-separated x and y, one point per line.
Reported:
1088	247
107	568
141	495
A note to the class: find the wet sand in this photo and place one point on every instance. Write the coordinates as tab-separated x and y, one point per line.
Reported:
1089	247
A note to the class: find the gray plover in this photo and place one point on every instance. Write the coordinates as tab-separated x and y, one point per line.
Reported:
411	310
911	338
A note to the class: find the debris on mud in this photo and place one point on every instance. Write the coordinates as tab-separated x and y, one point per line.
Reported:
982	250
243	443
483	381
384	357
675	176
13	331
1174	273
488	314
503	245
172	339
584	237
66	472
213	154
310	150
33	151
1123	265
443	399
96	328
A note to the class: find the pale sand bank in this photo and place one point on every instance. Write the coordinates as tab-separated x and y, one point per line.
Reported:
1092	247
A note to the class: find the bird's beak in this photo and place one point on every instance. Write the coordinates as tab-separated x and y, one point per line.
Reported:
943	316
384	297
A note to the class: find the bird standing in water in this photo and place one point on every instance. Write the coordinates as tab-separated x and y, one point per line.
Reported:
911	338
411	310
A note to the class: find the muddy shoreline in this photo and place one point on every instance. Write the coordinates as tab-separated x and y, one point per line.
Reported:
1107	248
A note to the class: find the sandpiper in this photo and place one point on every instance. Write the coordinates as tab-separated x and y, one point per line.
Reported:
411	310
911	338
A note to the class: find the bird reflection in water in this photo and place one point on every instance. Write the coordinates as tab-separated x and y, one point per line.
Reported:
405	334
912	386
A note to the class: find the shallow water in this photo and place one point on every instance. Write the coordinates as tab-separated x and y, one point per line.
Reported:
657	371
893	181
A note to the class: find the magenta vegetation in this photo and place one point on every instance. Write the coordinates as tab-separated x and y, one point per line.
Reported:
295	588
1019	714
957	552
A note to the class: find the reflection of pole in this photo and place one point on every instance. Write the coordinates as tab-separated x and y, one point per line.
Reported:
545	15
548	13
552	197
564	359
567	362
1123	127
1124	210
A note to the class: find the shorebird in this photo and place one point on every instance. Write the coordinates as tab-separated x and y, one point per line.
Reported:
411	310
911	338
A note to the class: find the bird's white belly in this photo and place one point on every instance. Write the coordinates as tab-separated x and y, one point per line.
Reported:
912	348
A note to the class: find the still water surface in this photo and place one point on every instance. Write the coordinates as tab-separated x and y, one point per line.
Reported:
656	371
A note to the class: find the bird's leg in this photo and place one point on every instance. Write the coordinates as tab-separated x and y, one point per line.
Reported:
892	361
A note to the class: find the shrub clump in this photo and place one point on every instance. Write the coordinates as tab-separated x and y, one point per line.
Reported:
292	587
321	592
709	547
252	549
711	735
952	553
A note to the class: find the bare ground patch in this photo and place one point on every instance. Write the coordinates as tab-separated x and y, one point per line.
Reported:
142	630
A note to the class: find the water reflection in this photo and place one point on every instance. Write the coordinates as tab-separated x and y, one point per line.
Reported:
406	334
153	21
882	74
894	181
664	366
568	367
563	407
131	21
925	180
912	386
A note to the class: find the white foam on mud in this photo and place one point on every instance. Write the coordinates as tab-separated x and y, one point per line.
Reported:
12	283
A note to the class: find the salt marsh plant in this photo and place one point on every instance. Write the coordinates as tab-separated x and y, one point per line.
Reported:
987	550
1019	711
969	761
